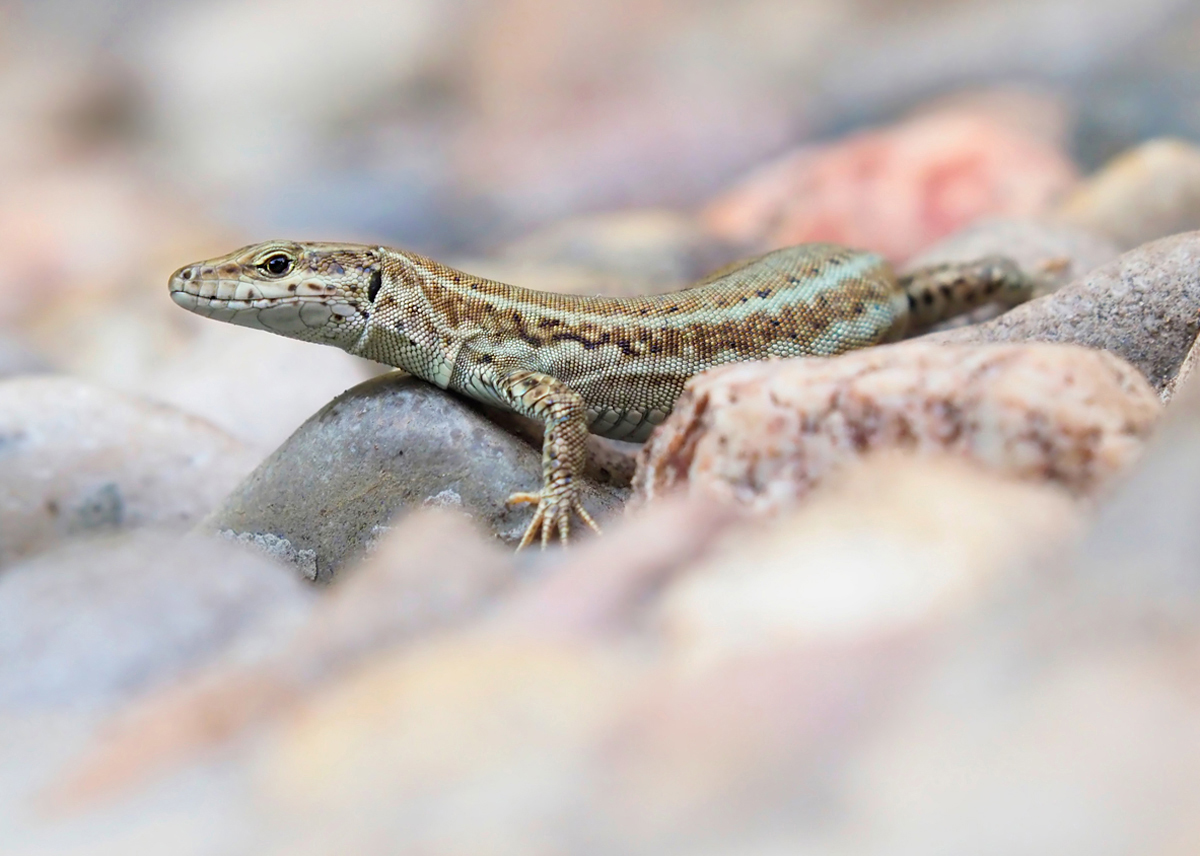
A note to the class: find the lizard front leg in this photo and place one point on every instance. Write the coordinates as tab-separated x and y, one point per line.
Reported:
564	452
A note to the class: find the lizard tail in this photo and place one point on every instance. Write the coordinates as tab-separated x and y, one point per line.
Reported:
940	292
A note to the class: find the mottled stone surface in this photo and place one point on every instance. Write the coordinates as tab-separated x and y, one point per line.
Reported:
762	435
389	445
108	618
1144	307
77	458
1149	192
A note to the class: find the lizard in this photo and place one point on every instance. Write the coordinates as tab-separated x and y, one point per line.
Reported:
578	364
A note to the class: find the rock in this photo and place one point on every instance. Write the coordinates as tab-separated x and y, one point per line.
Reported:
258	387
389	445
76	458
17	360
1147	193
1144	307
1144	544
502	728
105	619
1055	252
431	573
642	252
896	542
761	435
895	190
611	583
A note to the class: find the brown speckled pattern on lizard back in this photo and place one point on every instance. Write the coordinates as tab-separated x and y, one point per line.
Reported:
628	358
614	366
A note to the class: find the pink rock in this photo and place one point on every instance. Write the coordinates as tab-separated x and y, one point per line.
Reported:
761	435
898	189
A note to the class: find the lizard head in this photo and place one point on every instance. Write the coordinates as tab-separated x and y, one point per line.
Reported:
315	292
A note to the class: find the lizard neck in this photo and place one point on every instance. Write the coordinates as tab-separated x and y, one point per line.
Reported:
409	327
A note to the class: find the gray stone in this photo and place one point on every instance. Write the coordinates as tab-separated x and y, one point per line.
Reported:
1144	307
103	619
77	458
387	446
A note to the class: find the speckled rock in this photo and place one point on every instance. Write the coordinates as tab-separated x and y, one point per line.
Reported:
392	444
761	435
75	458
1144	307
1055	252
1149	192
106	619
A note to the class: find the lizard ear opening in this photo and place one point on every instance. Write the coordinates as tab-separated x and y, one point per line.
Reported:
376	284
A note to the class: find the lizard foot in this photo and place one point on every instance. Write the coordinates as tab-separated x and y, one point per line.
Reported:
553	512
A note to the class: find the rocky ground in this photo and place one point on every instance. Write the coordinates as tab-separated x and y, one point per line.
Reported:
941	596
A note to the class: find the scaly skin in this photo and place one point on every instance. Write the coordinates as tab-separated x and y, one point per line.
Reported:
611	366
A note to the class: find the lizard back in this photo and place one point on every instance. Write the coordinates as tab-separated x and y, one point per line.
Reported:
630	357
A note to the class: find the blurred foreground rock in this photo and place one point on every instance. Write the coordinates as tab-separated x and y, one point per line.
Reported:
496	734
108	618
390	445
433	571
77	458
896	541
923	657
1147	193
761	435
1144	307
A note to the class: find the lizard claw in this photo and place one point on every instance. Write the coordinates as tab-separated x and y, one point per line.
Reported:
553	512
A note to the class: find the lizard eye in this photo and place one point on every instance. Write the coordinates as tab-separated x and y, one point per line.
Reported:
276	265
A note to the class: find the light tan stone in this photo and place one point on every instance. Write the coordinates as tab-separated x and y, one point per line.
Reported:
1149	192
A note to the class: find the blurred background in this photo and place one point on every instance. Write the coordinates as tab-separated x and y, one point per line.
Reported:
449	125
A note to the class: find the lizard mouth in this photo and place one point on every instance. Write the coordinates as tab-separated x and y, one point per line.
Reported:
263	305
289	315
